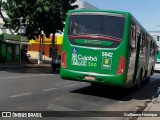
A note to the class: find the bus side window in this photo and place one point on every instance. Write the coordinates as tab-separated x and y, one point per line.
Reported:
133	38
146	44
143	44
153	51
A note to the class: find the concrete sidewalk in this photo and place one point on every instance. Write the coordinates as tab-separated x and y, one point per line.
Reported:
24	65
152	108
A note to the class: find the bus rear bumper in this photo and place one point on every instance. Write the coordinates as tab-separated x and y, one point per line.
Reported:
108	79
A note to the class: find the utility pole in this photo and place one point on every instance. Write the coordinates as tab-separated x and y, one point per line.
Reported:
20	31
20	20
40	53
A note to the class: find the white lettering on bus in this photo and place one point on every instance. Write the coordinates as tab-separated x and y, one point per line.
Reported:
107	54
87	58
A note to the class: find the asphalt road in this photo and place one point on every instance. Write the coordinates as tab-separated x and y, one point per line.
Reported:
39	89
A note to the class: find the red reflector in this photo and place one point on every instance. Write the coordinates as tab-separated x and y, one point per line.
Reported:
63	60
121	65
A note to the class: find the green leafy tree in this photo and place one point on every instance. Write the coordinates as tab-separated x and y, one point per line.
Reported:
46	15
2	16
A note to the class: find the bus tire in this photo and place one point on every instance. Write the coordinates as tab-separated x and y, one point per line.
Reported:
138	82
152	71
137	85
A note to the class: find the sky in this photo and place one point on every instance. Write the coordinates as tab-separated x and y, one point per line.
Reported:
147	12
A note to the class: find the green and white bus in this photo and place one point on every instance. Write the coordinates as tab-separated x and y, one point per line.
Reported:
106	47
157	61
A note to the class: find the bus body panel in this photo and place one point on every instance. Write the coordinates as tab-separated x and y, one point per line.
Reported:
101	63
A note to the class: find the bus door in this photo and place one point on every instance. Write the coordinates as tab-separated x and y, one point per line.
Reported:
133	49
137	52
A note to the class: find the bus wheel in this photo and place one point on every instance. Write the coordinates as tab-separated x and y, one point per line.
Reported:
138	82
136	86
152	71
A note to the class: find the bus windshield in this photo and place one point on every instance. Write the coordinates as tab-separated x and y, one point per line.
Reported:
96	25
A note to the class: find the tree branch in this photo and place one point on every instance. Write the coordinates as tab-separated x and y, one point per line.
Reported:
3	18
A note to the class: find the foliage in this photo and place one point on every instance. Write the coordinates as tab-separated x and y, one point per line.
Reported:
46	15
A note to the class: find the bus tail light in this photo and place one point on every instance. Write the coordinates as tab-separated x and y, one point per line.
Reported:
63	60
121	65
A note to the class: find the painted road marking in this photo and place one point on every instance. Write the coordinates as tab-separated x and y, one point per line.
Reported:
49	89
19	95
23	76
71	85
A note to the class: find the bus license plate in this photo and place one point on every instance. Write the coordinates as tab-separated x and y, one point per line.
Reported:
89	78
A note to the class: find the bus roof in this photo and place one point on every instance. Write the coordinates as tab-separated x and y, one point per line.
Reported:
116	12
99	10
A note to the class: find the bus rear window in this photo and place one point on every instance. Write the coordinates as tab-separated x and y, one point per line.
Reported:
100	25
